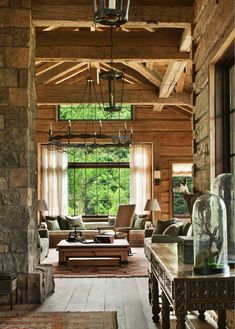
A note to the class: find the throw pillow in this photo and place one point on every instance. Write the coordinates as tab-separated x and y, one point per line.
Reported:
162	225
75	220
173	230
139	222
111	221
52	225
63	223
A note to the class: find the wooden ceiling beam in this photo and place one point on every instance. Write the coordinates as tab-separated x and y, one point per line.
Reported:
57	72
153	76
82	46
80	13
69	75
185	40
133	73
102	54
180	110
179	87
133	94
158	107
45	67
171	77
165	37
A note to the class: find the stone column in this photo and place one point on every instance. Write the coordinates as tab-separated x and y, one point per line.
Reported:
19	250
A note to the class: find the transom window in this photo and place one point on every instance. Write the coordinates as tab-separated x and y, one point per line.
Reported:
98	180
93	112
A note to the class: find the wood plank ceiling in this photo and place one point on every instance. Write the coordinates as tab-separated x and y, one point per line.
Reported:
153	49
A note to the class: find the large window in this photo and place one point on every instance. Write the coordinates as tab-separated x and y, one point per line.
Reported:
93	112
225	113
98	180
182	182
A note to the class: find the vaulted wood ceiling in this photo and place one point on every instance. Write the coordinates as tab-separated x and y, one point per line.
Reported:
153	49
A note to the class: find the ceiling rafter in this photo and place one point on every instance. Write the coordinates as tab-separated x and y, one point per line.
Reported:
70	75
171	77
153	76
57	72
43	68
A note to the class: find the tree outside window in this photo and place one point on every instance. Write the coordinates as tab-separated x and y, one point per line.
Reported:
181	172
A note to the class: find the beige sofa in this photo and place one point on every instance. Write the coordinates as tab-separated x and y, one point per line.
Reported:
91	230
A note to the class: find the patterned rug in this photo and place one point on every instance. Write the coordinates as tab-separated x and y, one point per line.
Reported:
58	320
137	267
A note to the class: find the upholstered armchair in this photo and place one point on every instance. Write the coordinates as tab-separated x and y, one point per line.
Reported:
123	222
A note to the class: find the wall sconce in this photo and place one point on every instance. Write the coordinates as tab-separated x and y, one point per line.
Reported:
157	176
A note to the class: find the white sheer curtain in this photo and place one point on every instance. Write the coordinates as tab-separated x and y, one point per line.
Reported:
141	175
55	181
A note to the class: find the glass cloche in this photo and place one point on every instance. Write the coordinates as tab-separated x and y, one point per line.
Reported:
224	186
209	235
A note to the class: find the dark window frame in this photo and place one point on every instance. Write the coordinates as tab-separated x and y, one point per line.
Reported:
95	165
96	119
223	112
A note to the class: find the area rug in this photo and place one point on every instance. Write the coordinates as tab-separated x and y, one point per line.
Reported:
58	320
137	267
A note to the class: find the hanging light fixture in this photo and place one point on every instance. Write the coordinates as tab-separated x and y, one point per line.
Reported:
111	12
114	97
68	140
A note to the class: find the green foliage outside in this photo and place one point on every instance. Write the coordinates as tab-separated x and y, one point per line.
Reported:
93	112
179	204
98	190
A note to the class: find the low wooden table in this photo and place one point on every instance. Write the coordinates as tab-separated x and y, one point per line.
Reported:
184	290
118	249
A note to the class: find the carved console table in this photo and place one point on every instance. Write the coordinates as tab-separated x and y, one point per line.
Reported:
184	290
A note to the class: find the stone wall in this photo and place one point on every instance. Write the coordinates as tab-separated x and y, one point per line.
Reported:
213	20
18	222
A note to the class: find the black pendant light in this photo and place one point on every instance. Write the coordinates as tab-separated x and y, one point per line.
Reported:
111	12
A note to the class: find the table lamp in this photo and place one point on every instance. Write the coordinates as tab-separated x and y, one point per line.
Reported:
41	206
152	205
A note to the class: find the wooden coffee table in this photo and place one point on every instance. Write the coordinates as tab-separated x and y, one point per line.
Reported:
118	250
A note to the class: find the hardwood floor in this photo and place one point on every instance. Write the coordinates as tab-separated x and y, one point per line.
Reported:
128	296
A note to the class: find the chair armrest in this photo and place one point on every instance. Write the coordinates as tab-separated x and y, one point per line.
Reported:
160	238
43	233
122	229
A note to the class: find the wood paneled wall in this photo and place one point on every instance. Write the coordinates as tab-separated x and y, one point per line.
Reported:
170	134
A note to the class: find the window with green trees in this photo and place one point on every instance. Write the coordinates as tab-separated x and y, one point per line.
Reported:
181	172
98	180
93	112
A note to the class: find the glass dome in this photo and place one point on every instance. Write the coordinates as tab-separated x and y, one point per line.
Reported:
209	235
224	186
